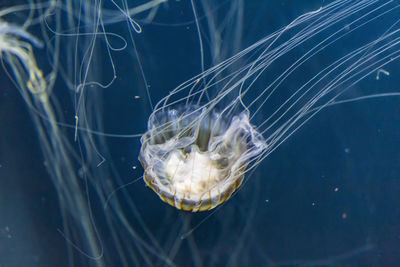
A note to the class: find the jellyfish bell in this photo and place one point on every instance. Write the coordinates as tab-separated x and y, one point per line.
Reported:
195	158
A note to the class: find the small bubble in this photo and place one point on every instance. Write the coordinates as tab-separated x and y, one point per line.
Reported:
81	172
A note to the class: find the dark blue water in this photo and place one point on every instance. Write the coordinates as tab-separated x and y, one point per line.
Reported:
328	195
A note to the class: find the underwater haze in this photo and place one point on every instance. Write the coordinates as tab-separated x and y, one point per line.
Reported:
320	80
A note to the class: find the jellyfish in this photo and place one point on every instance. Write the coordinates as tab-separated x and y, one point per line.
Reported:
195	156
90	73
188	155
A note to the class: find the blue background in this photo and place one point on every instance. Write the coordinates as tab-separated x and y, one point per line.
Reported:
289	207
